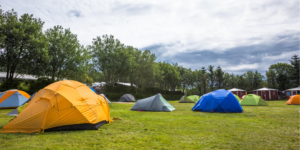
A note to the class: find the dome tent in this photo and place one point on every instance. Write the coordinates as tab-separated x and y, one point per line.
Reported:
18	110
294	100
13	98
108	101
253	100
63	105
153	103
184	99
93	89
194	98
238	98
218	101
127	98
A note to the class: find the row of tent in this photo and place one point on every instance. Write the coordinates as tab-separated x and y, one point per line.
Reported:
69	105
124	98
250	100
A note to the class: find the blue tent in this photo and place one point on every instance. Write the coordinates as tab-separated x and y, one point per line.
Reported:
93	89
218	101
13	98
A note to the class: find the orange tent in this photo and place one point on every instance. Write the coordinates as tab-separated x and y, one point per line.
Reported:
294	100
63	105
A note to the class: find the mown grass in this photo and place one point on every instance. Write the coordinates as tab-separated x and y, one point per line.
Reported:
258	127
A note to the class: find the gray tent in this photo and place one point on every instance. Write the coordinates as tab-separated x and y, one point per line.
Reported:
153	103
106	98
13	113
127	98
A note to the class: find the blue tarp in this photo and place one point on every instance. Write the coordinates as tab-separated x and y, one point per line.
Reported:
93	89
218	101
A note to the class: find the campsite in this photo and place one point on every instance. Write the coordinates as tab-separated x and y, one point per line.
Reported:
129	74
257	128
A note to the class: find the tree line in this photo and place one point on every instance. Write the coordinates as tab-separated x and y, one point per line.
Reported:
57	53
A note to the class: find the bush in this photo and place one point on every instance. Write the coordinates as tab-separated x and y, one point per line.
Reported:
38	84
10	84
116	96
24	86
117	88
28	86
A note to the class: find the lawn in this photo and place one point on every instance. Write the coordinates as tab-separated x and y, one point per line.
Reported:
258	127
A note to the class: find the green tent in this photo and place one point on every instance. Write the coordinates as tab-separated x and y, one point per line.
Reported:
194	98
184	99
253	100
237	97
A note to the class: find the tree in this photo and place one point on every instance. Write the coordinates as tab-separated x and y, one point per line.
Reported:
110	57
204	78
295	71
199	80
219	77
66	55
211	76
226	81
257	80
23	44
240	81
271	78
282	68
145	68
281	79
232	81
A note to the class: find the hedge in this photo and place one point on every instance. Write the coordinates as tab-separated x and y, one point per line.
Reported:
116	96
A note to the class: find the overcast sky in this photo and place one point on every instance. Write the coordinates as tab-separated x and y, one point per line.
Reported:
238	35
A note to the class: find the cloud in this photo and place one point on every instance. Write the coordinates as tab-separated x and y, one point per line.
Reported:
238	59
230	33
74	13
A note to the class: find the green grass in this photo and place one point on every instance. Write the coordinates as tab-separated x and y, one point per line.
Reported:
258	127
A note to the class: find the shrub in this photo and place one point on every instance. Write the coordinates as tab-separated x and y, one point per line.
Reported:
38	84
116	96
28	86
24	86
10	84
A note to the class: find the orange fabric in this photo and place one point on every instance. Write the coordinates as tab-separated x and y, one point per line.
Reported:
61	103
11	92
24	94
7	94
294	100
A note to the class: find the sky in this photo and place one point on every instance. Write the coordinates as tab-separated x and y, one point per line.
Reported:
236	35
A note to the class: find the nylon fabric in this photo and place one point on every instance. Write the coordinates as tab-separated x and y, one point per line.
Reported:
237	97
108	101
253	100
166	103
14	100
184	99
62	103
6	95
153	103
127	98
218	101
194	98
293	100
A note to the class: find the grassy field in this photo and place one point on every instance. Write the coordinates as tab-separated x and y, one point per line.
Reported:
258	127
